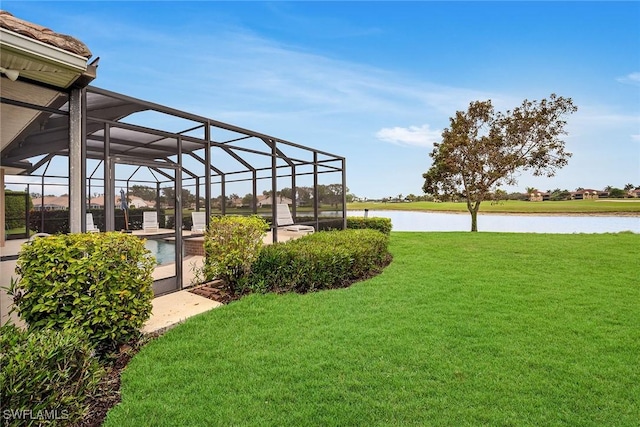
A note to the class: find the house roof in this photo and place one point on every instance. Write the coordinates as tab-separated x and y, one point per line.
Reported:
262	199
62	201
43	34
586	190
39	66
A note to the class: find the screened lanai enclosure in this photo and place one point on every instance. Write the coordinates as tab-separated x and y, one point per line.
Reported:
77	158
68	153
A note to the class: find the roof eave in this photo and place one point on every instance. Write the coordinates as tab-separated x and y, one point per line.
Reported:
35	50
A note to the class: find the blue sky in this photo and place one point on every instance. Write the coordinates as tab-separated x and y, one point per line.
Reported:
376	82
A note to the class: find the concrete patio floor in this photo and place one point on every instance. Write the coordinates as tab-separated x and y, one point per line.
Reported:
169	310
172	309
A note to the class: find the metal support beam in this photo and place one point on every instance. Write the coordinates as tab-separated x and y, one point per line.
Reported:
274	189
178	215
344	194
254	192
158	198
197	193
83	162
76	184
207	173
315	190
109	183
223	195
294	195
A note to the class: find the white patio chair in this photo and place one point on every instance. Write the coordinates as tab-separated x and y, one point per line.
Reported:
285	221
199	220
91	227
150	221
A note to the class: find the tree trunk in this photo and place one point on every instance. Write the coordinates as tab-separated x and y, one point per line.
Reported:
473	210
474	220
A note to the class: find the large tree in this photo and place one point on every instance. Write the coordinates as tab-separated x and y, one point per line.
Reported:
483	149
144	192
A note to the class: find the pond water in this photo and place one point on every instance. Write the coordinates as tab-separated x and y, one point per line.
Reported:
429	221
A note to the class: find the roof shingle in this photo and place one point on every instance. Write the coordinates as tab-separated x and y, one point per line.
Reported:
43	34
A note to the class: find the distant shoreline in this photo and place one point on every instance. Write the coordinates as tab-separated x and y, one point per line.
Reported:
458	212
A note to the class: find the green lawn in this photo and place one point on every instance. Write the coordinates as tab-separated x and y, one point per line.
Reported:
19	230
602	206
461	329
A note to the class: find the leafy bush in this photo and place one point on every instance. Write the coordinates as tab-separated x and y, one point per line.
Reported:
231	245
383	225
322	260
51	222
16	203
45	375
99	282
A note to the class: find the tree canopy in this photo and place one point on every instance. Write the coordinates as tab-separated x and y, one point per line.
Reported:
483	149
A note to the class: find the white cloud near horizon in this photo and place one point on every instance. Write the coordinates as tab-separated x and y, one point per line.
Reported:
631	78
418	136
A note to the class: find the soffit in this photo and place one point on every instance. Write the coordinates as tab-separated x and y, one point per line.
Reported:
38	61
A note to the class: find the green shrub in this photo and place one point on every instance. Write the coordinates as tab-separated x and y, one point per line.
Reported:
51	222
231	245
15	206
45	376
322	260
99	282
383	225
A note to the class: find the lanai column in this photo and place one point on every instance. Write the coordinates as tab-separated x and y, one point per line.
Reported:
76	184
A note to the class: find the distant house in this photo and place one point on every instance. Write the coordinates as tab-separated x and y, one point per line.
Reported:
51	203
539	196
585	194
266	200
97	202
634	192
138	202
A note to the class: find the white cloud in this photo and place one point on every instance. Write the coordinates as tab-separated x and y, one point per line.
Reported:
419	136
635	137
633	78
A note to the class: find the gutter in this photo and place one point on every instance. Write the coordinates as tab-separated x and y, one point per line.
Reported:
46	54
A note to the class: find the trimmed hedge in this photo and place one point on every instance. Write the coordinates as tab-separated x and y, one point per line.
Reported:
323	260
231	245
383	225
54	221
98	282
15	204
46	376
135	216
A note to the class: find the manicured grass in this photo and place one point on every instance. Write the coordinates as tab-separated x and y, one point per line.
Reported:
19	230
461	329
602	206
